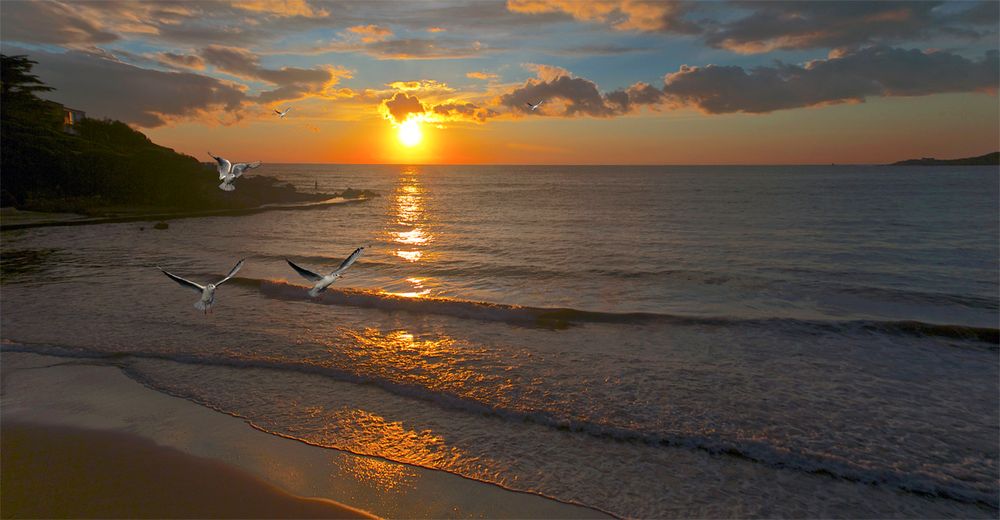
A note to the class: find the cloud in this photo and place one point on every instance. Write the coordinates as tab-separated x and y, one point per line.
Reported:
425	49
463	112
808	25
292	82
181	60
282	8
576	96
481	75
144	97
52	22
371	33
623	15
851	77
436	29
401	106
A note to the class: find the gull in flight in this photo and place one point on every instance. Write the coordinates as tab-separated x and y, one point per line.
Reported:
322	282
282	114
229	172
536	105
207	291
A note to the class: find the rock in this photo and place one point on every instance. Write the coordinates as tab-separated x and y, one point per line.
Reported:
161	225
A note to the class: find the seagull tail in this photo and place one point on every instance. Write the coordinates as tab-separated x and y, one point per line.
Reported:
225	186
314	292
200	305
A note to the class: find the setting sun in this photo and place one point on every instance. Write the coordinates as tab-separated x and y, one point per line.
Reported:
409	133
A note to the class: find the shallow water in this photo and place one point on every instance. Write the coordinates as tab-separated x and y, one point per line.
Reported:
648	341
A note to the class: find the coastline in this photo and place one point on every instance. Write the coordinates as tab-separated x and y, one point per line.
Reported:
43	219
98	403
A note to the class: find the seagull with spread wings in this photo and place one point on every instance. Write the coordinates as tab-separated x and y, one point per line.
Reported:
322	282
536	105
282	114
207	291
229	172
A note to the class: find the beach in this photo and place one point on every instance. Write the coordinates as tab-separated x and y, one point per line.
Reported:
81	440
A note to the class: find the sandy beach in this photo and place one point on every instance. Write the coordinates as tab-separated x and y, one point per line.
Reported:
82	440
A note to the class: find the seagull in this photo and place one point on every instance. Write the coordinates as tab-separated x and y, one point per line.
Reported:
322	282
207	291
229	172
238	170
282	114
536	105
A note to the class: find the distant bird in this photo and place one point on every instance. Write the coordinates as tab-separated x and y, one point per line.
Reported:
207	291
536	105
238	170
229	172
282	114
322	282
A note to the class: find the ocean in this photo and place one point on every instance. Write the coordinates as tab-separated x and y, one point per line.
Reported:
730	341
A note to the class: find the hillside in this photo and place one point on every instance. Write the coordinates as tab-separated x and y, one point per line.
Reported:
105	165
990	159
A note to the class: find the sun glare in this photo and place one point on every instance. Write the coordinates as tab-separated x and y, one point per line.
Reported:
409	133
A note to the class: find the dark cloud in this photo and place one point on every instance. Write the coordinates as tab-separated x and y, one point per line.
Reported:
144	97
875	71
292	82
468	111
51	22
181	60
401	106
805	25
579	96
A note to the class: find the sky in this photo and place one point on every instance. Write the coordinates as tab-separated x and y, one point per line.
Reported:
442	82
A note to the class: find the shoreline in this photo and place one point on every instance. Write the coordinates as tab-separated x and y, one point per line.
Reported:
99	399
45	219
67	472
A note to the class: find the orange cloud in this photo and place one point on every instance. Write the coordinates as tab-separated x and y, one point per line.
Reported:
623	15
284	8
371	33
481	75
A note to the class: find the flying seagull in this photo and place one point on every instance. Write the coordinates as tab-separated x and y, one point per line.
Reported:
322	282
536	105
238	170
207	291
229	172
282	114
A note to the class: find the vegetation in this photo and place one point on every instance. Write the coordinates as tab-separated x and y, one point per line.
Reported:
990	159
105	164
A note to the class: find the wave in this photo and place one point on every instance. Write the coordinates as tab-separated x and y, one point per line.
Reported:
717	444
560	318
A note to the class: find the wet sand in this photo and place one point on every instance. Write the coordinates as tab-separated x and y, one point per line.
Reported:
63	472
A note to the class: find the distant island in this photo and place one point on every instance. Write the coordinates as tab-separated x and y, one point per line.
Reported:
990	159
55	159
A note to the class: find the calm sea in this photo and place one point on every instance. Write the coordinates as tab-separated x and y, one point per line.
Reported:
648	341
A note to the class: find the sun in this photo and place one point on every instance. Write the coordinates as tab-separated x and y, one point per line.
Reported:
409	133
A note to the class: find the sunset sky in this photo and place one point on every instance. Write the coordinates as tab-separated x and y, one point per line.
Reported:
624	81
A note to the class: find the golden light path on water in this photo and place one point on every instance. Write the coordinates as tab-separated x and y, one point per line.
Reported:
407	227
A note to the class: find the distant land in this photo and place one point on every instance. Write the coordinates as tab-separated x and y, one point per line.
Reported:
990	159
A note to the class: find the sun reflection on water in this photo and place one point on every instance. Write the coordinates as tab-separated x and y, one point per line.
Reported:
409	228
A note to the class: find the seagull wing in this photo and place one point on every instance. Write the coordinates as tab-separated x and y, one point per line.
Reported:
305	273
240	168
529	104
182	281
350	260
236	268
276	111
223	166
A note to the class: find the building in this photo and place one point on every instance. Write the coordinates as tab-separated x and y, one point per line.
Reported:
71	117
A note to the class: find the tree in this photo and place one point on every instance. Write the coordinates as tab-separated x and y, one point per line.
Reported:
16	80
